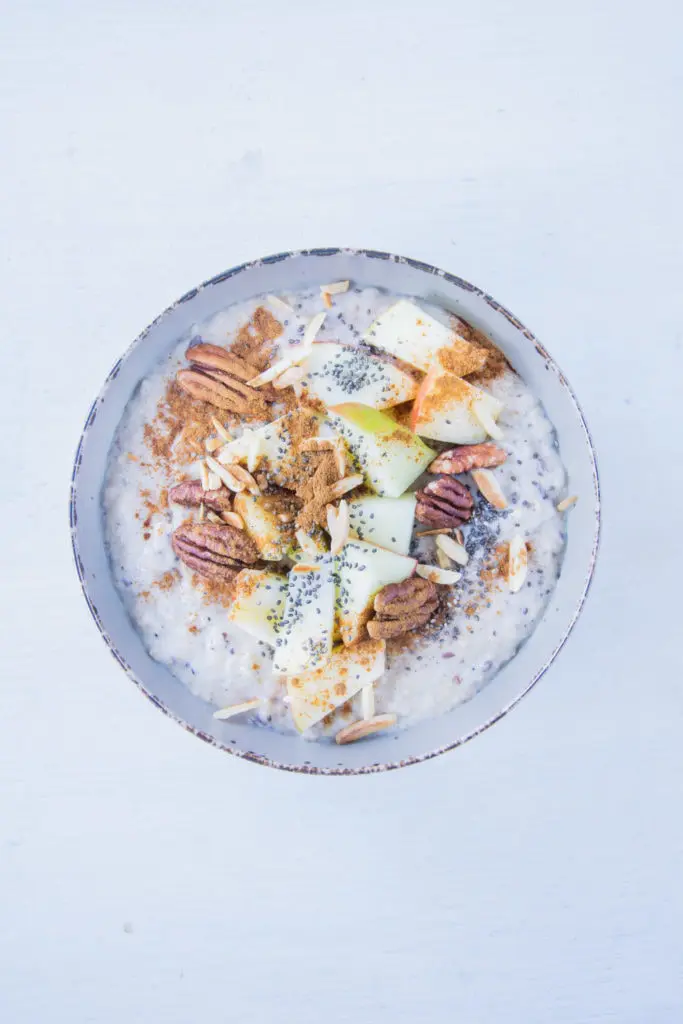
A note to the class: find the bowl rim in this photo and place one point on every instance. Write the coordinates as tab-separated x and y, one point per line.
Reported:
497	307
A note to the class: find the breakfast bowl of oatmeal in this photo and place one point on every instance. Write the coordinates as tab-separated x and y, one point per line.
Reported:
335	511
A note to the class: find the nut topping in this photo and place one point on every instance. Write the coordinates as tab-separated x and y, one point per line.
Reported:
191	494
444	503
217	552
402	607
468	457
216	376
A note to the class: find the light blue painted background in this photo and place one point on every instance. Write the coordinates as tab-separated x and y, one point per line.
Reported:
535	875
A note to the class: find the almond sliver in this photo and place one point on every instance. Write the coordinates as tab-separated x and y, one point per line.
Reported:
230	481
367	727
204	470
305	543
212	444
294	375
312	328
244	477
517	564
367	702
278	368
336	288
453	549
346	484
220	429
280	304
214	481
237	709
489	487
233	519
338	525
436	575
567	503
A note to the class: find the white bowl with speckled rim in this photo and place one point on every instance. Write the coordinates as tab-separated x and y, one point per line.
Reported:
287	272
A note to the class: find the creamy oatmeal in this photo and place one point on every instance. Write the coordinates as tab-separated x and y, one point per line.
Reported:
334	511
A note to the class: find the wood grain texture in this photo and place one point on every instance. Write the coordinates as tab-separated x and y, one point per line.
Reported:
534	875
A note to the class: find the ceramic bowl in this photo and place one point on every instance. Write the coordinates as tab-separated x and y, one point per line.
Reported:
287	272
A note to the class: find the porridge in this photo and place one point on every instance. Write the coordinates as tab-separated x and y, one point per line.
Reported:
335	511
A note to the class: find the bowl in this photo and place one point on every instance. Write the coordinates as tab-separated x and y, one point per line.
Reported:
287	272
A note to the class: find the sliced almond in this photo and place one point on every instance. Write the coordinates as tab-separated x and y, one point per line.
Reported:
443	559
340	458
517	563
459	536
367	702
237	709
212	517
454	550
336	288
202	512
245	478
230	481
312	328
327	300
279	368
305	543
567	503
487	421
233	519
305	568
220	429
204	470
338	525
346	484
279	303
212	444
214	481
436	575
294	375
286	517
489	487
368	727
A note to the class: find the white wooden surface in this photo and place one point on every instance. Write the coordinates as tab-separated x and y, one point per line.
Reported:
534	876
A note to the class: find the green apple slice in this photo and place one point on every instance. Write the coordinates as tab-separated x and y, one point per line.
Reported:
272	537
413	335
258	603
387	522
362	570
304	640
315	694
449	409
343	373
390	456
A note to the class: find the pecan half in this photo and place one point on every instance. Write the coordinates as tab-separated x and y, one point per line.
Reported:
444	503
217	377
402	607
467	457
217	552
191	494
213	357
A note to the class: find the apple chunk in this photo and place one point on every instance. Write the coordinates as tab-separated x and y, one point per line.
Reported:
390	456
449	409
342	373
272	537
362	570
387	522
304	640
413	335
258	603
315	694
